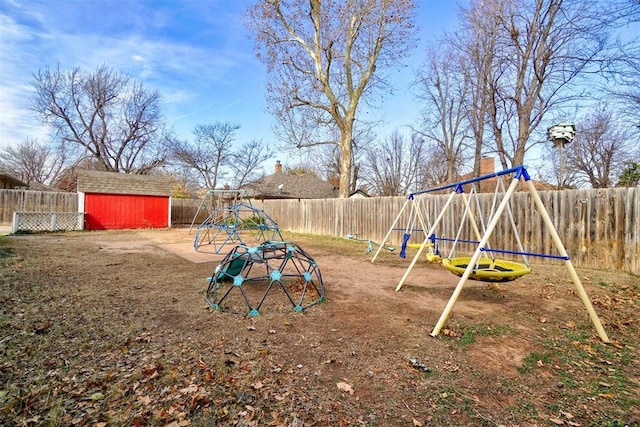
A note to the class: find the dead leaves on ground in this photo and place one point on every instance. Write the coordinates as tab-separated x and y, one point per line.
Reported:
81	351
140	386
565	418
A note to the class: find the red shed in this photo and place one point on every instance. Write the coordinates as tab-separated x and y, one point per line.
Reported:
113	200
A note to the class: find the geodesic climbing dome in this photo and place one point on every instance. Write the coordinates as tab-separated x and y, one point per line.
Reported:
236	224
248	274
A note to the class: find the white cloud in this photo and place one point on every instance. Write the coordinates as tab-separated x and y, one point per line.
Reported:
10	30
41	36
17	121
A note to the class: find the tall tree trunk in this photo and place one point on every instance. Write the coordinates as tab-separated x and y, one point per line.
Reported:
346	158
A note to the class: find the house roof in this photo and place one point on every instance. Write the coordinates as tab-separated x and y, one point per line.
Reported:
90	181
10	181
359	193
43	187
284	186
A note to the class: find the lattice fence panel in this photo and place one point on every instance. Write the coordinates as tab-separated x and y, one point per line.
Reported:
47	221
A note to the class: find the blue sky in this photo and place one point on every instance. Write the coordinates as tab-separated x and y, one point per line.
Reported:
196	53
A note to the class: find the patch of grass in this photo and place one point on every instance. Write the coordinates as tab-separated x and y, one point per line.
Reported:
335	245
586	370
7	252
567	379
532	360
528	409
617	424
471	332
625	355
617	387
446	398
581	334
525	409
54	417
553	406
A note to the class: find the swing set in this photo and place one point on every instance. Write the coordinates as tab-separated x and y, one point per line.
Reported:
484	264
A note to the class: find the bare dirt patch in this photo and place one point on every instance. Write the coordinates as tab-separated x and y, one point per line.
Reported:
112	328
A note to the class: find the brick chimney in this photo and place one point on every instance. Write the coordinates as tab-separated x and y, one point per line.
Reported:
278	166
487	165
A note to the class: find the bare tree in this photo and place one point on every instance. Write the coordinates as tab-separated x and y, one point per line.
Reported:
539	50
383	166
433	171
245	163
68	177
599	150
32	162
392	167
209	153
300	169
444	89
325	159
184	182
324	58
556	171
475	45
624	88
105	115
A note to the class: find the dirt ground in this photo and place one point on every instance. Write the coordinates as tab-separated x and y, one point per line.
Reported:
112	328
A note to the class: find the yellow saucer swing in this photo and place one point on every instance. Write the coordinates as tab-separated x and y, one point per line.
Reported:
487	266
487	269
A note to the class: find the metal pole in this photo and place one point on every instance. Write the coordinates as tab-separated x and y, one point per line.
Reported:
562	165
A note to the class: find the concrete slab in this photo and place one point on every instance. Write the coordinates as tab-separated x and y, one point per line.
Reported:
187	252
179	241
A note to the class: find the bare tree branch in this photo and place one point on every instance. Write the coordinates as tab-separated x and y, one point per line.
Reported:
323	59
111	118
601	148
211	150
245	163
32	162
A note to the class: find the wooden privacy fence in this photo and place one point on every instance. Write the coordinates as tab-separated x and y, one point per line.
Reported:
600	228
183	212
35	201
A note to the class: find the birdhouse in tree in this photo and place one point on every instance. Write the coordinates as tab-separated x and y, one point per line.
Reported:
562	133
